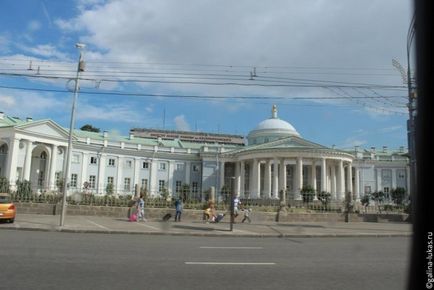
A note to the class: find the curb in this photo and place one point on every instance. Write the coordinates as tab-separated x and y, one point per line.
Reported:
228	234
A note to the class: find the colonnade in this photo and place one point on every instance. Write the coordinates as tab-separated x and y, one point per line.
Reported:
266	177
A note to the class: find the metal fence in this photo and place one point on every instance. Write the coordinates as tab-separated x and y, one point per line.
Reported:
265	205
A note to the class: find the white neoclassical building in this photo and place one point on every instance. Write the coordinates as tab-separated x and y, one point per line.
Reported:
275	159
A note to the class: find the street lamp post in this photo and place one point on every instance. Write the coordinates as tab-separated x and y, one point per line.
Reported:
411	110
408	80
80	68
232	206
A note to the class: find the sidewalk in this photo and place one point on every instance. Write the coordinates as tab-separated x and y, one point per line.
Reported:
96	224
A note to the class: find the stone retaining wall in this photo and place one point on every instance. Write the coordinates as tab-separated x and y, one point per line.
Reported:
158	213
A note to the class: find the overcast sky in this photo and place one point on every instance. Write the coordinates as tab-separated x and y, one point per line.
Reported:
337	53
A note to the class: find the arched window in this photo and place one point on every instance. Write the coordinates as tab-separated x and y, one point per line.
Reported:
43	155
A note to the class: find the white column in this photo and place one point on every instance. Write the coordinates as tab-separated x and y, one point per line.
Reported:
170	177
237	179
393	178
53	163
187	172
323	175
341	181
298	178
28	160
283	179
101	174
84	165
282	175
356	184
313	179
378	180
119	183
153	178
222	175
242	178
276	178
267	185
137	164
350	181
333	181
11	168
258	180
254	179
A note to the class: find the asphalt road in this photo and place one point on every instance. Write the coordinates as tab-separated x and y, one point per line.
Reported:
52	260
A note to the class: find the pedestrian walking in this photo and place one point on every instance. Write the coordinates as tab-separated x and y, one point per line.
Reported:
178	207
237	203
141	209
246	212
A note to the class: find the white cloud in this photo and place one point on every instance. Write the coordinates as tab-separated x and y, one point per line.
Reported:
34	25
285	34
181	123
7	101
30	104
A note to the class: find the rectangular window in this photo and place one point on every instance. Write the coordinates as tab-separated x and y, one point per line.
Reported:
128	163
127	184
162	166
180	166
110	180
75	158
194	187
92	181
144	183
73	183
161	184
386	190
145	165
196	168
93	160
178	186
111	162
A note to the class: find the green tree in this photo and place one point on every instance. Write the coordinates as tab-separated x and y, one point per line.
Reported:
378	197
307	192
324	197
24	188
365	200
109	188
90	128
164	193
4	185
398	195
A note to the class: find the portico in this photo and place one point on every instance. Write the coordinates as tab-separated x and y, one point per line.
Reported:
278	160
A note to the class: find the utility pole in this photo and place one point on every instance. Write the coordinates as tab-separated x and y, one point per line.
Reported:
409	80
80	68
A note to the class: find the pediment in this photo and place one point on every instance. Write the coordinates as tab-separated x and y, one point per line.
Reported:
44	128
292	142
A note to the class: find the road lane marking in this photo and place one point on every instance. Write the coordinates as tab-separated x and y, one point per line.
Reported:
148	226
230	263
98	225
234	248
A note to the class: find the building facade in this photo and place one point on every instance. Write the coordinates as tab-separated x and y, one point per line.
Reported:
275	159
